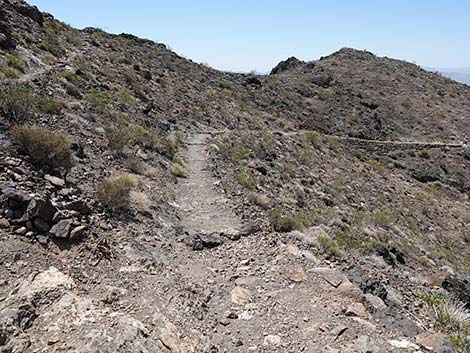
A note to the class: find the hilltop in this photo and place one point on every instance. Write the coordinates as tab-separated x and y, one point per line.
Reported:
154	204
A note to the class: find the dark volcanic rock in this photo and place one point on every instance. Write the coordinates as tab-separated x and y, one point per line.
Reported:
80	206
16	195
30	11
62	229
459	288
205	241
286	65
41	208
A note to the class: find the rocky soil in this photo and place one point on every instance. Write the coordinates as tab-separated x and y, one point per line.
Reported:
321	208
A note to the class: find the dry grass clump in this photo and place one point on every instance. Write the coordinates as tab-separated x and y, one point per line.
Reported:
134	164
258	199
114	192
178	170
140	201
48	151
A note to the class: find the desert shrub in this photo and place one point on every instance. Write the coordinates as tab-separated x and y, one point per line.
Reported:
71	76
451	318
133	80
330	246
51	41
283	223
8	72
16	62
258	199
18	103
312	138
134	164
114	192
245	179
423	154
48	151
49	59
140	201
178	170
348	239
405	102
49	106
98	100
165	146
117	137
72	37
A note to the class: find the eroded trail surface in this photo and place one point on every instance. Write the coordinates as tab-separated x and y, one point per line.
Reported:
204	209
264	292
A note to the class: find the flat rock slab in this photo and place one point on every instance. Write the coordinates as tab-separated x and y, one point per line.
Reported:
334	278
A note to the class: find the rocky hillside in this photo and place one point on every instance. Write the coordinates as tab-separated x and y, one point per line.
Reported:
152	204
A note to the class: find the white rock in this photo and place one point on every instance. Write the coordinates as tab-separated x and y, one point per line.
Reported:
241	296
45	282
272	340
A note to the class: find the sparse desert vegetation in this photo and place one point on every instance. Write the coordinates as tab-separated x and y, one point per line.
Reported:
165	201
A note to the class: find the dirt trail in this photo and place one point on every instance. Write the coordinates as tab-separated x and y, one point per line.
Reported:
204	209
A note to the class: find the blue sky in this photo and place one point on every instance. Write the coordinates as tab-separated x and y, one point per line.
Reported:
244	35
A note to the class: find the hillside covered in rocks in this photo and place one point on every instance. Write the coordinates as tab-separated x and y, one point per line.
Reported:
153	204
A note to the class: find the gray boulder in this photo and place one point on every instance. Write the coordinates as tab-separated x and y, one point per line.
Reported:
62	229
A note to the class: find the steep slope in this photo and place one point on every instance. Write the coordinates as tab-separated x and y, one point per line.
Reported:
153	204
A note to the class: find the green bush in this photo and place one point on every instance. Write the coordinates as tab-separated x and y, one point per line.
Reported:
246	180
330	246
48	151
258	199
51	41
283	223
117	136
134	164
295	221
18	103
16	62
451	318
98	100
114	192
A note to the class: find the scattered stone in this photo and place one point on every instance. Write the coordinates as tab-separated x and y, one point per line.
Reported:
356	309
435	342
41	208
4	223
373	303
77	232
402	344
17	195
339	330
80	206
272	340
249	229
21	231
333	277
295	274
206	241
41	225
42	239
58	182
365	344
241	296
62	229
45	282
